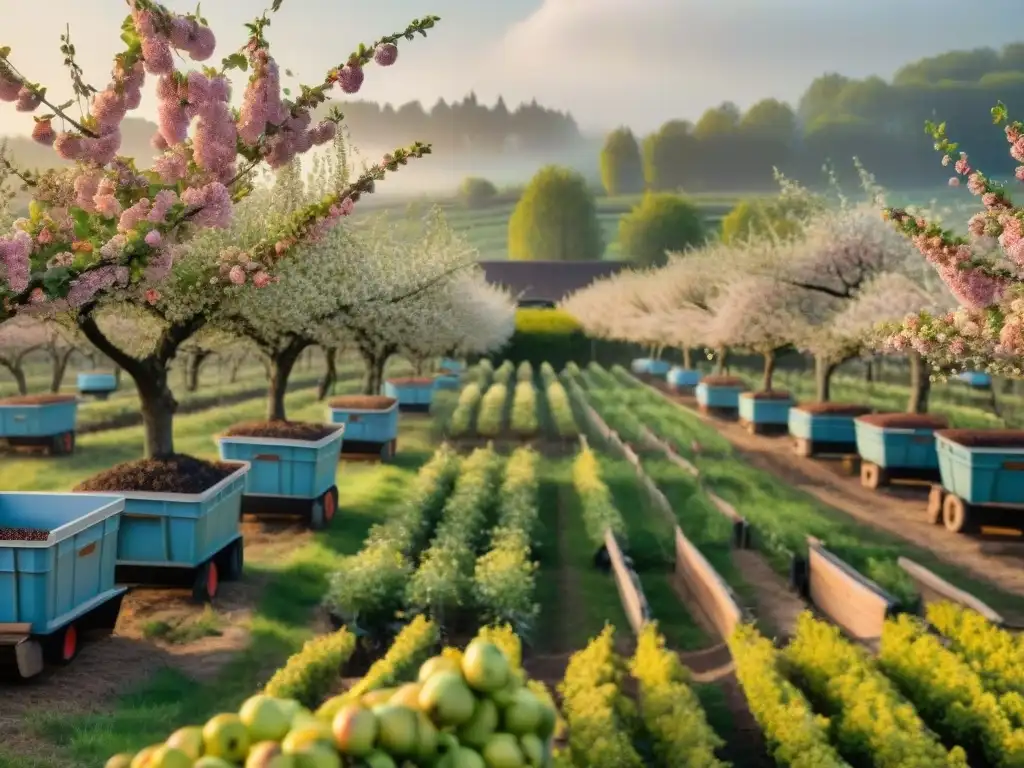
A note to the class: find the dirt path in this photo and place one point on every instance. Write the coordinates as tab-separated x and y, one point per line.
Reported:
899	510
776	606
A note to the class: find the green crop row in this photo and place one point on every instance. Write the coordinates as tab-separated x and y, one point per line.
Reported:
461	421
599	511
309	675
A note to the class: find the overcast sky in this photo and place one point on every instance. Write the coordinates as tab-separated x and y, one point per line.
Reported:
609	62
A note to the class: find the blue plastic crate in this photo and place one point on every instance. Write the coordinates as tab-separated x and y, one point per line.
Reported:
975	379
38	420
367	426
50	583
446	382
897	448
180	530
640	365
764	410
303	469
719	397
410	392
450	364
823	427
681	377
981	475
96	382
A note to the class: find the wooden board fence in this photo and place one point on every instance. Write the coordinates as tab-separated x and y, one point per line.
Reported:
934	588
846	597
628	583
707	587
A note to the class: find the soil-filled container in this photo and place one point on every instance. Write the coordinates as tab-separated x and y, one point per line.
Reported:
645	366
683	380
897	446
975	379
57	582
765	411
413	394
720	395
98	384
40	421
446	381
982	466
452	365
371	424
825	427
292	468
181	521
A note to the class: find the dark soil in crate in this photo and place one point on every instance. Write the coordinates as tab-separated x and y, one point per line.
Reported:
286	430
774	395
362	402
722	381
171	474
985	438
23	534
904	421
36	399
834	409
415	381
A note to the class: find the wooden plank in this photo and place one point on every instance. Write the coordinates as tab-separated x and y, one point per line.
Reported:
708	588
936	585
847	598
633	601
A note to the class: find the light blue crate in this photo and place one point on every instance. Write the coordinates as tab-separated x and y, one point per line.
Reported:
975	379
981	475
180	530
640	365
682	377
450	364
365	425
897	448
769	411
410	393
303	469
50	583
38	420
446	382
91	382
719	397
659	368
823	427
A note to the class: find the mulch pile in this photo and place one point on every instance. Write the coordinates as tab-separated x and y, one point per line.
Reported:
362	402
412	381
282	430
984	438
773	395
722	381
834	409
36	399
170	474
905	420
23	534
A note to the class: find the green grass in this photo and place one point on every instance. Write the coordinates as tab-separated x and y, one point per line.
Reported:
279	626
185	629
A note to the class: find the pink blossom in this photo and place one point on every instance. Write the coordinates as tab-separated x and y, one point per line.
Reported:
261	280
954	182
172	165
15	252
385	54
976	184
152	296
9	87
350	78
90	283
108	108
86	185
211	205
237	275
153	238
45	236
28	100
68	146
134	215
43	133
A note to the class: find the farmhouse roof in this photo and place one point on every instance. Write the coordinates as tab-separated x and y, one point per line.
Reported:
546	281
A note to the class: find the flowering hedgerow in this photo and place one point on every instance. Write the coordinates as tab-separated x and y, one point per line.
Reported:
104	224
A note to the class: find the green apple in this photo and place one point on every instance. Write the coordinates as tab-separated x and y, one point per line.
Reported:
548	721
533	749
447	742
524	714
308	735
189	740
268	754
502	751
143	757
355	730
318	756
169	757
290	707
379	759
503	697
407	695
332	706
437	664
447	700
226	736
428	738
485	667
484	722
265	718
464	757
212	762
123	760
397	729
380	696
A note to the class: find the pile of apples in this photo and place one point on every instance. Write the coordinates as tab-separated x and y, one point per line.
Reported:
470	713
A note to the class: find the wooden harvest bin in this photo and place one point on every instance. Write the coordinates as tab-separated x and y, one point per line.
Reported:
60	583
45	421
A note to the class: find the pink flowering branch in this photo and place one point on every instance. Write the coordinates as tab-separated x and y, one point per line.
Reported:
108	225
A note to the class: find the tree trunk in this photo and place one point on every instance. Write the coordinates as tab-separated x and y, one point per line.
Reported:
721	355
158	405
59	360
370	386
823	370
18	373
418	365
281	364
769	371
687	359
117	375
378	372
193	364
920	384
330	377
236	366
869	371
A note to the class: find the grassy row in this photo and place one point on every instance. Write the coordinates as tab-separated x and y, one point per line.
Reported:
558	403
523	420
997	655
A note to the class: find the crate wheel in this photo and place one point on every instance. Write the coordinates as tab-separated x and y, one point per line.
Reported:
872	476
232	561
958	516
207	583
62	646
62	444
934	510
323	509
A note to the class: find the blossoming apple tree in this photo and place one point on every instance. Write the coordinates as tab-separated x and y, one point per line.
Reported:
104	233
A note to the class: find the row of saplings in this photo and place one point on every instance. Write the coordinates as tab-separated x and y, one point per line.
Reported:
473	712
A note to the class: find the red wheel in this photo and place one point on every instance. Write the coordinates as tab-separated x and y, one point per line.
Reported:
62	646
212	580
330	506
69	443
207	583
69	647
